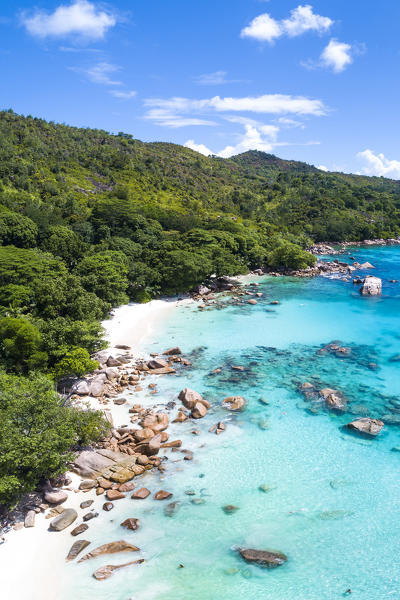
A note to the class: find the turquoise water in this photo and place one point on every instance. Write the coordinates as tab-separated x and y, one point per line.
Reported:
334	500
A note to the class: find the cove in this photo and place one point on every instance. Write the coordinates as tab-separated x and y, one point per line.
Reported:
328	499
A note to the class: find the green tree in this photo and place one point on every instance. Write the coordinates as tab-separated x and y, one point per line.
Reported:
17	230
289	256
105	274
21	344
76	361
37	434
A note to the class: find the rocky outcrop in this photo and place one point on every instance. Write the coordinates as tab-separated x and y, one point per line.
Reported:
64	520
367	426
194	402
264	558
111	548
372	286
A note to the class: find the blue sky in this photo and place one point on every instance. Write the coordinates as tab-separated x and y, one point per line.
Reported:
312	81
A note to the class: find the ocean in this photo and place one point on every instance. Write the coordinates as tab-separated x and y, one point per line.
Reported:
300	482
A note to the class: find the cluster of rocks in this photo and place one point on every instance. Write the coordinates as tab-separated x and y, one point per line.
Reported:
335	400
114	375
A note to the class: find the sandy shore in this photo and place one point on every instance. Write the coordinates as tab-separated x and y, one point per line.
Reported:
135	324
31	559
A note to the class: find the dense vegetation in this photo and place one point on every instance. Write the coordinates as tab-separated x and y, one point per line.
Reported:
89	220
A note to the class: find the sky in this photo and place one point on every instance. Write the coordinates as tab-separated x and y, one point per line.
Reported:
317	82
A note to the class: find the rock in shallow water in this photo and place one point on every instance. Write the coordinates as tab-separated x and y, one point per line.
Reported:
366	426
264	558
80	529
111	548
106	571
76	548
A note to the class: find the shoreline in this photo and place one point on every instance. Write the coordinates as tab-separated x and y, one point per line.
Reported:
19	552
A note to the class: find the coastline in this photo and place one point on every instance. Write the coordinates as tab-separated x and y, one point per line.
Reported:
133	325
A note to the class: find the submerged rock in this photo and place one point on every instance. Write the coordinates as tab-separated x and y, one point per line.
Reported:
111	548
367	426
229	509
266	488
264	558
171	509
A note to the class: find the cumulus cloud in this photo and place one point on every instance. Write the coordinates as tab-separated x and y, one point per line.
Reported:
255	137
337	56
302	19
322	168
263	28
201	148
80	18
378	164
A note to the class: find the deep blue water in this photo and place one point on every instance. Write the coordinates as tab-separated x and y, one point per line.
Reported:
333	504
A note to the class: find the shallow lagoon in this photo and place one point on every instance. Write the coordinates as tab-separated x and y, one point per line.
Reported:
333	501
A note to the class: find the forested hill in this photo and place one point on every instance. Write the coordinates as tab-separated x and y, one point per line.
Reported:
89	220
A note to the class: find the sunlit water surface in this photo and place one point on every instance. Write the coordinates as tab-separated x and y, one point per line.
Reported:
333	504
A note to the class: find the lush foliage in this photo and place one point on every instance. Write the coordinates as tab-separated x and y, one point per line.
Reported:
37	433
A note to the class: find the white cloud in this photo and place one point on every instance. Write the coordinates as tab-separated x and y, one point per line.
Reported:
216	78
201	148
302	19
123	95
168	118
81	18
255	137
169	112
336	55
100	73
290	123
270	103
322	168
378	164
263	28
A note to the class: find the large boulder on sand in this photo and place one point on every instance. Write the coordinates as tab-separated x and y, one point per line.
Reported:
234	403
56	496
372	286
367	426
64	520
264	558
81	388
97	386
